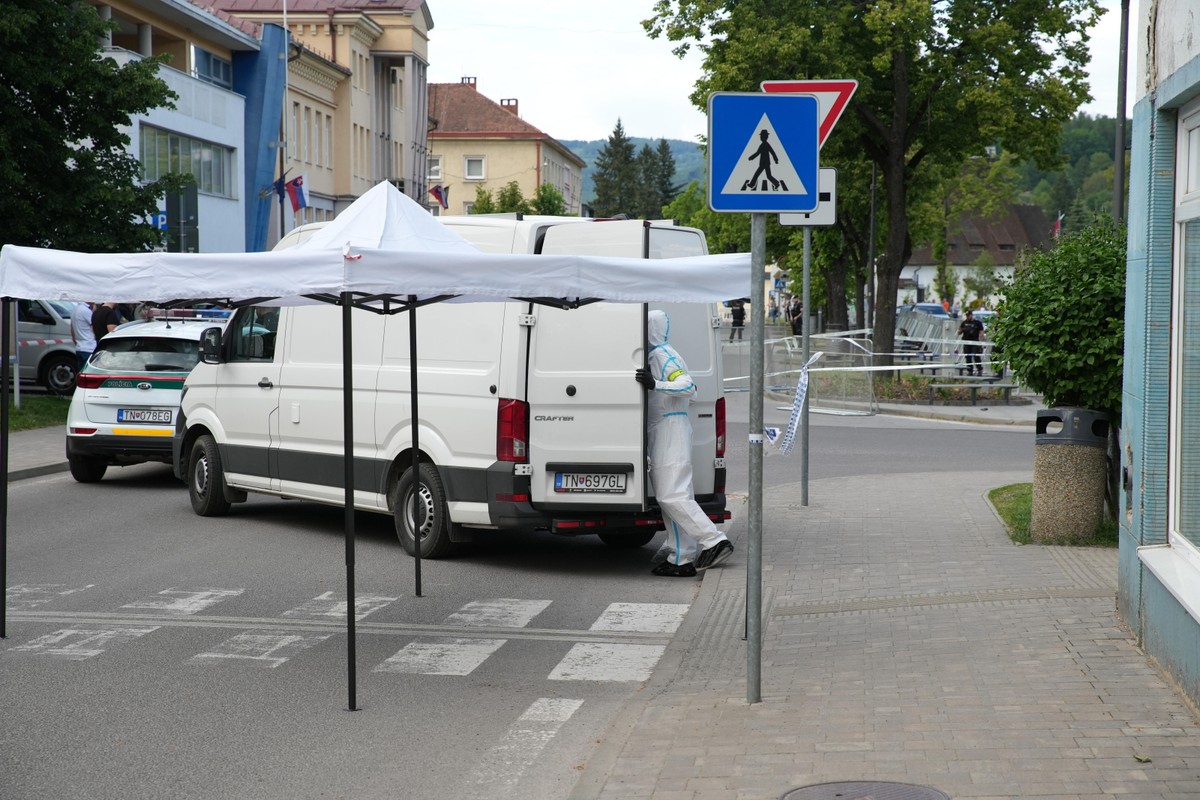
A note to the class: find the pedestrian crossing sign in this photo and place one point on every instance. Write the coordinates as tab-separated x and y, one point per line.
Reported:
762	152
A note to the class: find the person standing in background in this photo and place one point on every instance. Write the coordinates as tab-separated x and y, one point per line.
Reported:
82	334
104	319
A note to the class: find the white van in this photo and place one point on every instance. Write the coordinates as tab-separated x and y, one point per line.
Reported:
530	414
46	352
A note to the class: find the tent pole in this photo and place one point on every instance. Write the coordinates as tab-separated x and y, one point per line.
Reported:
348	482
418	508
6	379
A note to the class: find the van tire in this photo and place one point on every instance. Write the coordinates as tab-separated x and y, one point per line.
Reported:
435	533
628	537
86	469
206	478
58	373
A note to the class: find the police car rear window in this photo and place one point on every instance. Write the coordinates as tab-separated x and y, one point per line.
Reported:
145	354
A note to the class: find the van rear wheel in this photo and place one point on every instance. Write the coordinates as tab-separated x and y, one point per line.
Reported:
430	500
627	537
206	478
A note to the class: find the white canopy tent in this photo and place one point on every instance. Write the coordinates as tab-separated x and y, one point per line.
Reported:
384	253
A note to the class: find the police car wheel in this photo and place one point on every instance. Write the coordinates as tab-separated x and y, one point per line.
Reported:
86	469
430	501
205	478
627	537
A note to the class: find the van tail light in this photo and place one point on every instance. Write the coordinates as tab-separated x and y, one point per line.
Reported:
512	431
720	415
89	380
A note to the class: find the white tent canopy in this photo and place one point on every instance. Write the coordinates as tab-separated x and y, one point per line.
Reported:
383	244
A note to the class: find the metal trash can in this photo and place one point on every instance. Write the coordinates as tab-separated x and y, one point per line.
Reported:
1069	475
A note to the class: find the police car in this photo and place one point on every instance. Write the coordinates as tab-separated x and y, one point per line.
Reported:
127	395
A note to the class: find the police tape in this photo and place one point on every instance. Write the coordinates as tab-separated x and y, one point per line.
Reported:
37	342
788	440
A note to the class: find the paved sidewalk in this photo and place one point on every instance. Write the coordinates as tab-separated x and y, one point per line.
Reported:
894	649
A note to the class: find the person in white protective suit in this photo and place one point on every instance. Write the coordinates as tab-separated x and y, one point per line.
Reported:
693	541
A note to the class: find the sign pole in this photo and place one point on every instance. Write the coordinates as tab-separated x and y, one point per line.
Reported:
805	354
758	252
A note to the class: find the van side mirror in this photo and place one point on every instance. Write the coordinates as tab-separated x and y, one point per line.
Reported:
210	346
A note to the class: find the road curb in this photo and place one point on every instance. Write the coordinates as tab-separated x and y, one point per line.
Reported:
36	472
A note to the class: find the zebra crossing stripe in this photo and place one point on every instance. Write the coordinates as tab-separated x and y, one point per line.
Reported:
262	648
501	612
441	656
75	644
185	601
588	661
524	741
641	617
24	595
326	606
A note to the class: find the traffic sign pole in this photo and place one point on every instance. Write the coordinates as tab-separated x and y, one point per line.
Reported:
805	355
758	260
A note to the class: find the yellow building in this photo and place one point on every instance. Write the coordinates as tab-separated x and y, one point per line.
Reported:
477	142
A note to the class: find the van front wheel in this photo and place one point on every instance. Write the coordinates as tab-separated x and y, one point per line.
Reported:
206	478
430	501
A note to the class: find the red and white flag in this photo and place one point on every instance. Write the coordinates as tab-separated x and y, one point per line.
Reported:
1058	224
441	194
297	192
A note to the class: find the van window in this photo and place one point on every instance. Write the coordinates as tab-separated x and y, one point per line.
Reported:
253	334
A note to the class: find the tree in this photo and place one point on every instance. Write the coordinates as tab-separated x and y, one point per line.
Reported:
615	175
69	179
511	200
548	200
1061	325
937	83
483	202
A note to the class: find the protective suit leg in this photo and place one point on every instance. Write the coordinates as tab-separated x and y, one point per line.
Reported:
689	530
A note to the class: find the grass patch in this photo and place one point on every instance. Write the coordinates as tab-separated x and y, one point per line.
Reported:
37	411
1014	504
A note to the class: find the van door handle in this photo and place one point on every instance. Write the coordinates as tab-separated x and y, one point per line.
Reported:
265	383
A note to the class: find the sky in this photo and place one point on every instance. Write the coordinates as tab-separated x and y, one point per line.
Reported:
575	68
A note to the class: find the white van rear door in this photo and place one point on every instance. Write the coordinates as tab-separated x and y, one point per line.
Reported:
586	411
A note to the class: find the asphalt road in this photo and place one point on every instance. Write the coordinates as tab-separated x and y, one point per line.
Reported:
152	653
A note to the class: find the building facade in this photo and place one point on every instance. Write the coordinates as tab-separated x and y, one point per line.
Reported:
215	132
476	142
355	112
1159	560
978	244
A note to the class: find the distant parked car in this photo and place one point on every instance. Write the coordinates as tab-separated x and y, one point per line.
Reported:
934	309
984	315
127	397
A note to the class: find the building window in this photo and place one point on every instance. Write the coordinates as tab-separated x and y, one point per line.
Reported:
305	152
328	140
293	139
212	165
433	168
473	168
212	68
468	208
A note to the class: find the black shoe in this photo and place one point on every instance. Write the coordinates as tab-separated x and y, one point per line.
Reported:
670	570
714	556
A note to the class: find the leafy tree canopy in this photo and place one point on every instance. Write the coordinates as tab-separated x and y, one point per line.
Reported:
937	83
69	180
1061	325
483	202
548	200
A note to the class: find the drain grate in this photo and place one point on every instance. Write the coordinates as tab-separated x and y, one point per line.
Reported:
865	790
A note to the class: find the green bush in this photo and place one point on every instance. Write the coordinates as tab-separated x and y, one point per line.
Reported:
1061	326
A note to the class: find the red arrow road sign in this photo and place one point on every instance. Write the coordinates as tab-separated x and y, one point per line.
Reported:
832	98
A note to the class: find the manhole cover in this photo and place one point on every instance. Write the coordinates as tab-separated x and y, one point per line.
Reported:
865	790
